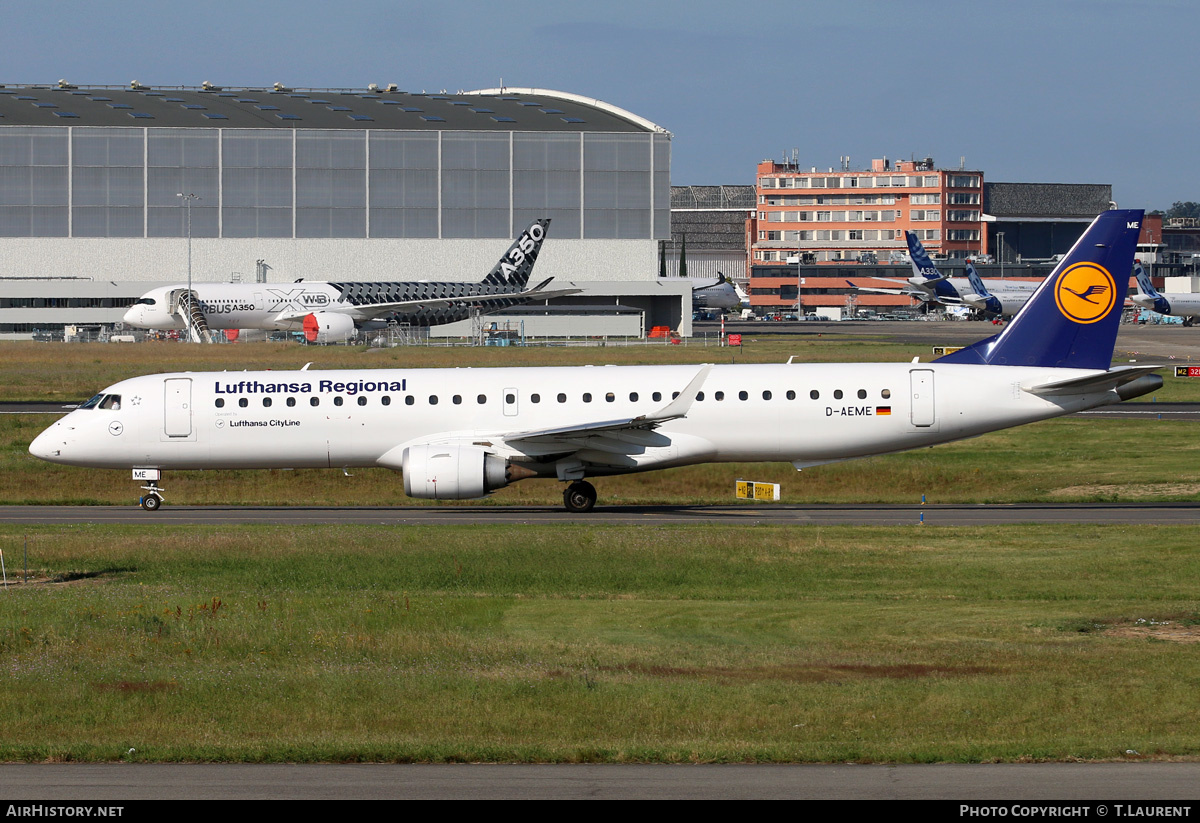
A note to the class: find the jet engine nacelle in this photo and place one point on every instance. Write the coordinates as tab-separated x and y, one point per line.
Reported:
328	327
452	472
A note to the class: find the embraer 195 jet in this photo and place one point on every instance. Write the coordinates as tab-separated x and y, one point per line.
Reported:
463	433
328	312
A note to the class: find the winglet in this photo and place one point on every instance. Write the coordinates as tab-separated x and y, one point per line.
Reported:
680	405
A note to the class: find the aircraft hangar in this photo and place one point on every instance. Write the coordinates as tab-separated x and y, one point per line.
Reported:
107	192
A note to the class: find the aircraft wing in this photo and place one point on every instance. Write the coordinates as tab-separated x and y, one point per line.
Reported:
910	291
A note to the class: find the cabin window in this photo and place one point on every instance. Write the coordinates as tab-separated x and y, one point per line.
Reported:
674	394
291	401
766	395
535	398
266	402
433	400
386	400
562	398
700	395
587	397
837	394
362	400
220	403
510	399
656	397
457	399
744	396
633	397
814	394
337	401
481	399
791	395
610	397
409	400
243	402
862	394
314	401
886	393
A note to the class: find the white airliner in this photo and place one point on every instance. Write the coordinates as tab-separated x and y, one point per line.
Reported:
1003	300
1181	304
328	312
721	293
462	433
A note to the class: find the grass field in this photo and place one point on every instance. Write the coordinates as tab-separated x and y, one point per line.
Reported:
576	644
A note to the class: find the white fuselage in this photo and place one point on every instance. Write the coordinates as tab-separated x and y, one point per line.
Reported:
806	414
240	305
1182	304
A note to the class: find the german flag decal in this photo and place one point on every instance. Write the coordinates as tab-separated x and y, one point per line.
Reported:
883	411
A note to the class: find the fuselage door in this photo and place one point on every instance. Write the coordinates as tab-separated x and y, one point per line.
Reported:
923	410
177	407
510	402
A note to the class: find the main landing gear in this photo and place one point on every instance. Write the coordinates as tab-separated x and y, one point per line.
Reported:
579	497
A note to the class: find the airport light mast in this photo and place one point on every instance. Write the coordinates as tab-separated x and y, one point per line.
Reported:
187	202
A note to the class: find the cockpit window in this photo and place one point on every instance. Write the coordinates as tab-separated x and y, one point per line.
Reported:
111	401
149	301
93	403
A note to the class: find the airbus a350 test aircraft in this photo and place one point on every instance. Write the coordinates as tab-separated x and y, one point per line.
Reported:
462	433
328	312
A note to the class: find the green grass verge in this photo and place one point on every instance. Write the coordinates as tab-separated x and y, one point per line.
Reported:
579	644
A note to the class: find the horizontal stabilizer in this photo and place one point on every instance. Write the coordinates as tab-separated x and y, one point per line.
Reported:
1088	384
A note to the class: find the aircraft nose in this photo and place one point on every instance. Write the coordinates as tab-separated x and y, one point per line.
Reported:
48	445
133	316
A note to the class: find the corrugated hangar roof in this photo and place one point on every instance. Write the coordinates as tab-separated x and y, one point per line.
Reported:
1063	200
278	107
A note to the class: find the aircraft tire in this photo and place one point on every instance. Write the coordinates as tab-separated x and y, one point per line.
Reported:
579	497
151	502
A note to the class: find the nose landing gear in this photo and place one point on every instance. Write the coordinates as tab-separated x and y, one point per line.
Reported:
152	499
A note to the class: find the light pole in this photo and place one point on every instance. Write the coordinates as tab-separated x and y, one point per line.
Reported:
1000	251
187	202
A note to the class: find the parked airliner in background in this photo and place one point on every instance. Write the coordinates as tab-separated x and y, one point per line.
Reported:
1182	305
722	293
1001	301
993	298
462	433
328	312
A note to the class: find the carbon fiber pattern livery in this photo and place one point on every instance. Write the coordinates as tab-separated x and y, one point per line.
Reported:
500	289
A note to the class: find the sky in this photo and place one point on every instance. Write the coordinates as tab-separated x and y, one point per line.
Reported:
1028	91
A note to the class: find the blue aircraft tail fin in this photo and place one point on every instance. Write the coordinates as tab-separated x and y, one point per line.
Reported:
976	281
925	273
516	265
1143	280
1071	320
